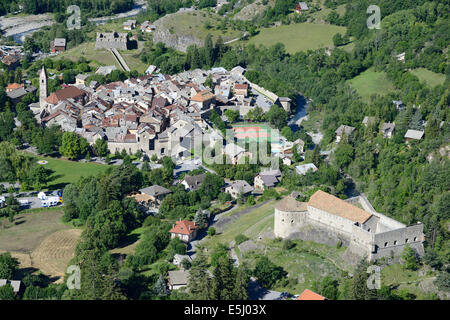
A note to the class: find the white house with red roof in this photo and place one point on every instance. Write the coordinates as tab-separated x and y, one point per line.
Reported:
185	230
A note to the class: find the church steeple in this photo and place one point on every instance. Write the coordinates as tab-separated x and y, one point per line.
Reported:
43	88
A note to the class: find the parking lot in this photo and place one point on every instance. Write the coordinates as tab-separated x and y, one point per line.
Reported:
32	198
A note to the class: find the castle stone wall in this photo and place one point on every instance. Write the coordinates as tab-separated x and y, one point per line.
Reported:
396	240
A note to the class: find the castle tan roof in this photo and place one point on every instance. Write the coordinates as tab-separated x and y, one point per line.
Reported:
289	204
333	205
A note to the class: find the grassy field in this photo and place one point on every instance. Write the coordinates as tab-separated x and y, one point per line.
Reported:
198	24
431	78
370	82
246	224
40	240
298	37
320	16
66	171
419	282
306	262
104	57
87	50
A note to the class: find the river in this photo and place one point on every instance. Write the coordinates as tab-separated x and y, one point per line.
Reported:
300	113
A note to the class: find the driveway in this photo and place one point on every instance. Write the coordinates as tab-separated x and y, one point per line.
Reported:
256	292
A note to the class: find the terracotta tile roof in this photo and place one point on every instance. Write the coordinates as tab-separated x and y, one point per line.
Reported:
184	227
64	94
203	96
329	203
240	86
310	295
14	86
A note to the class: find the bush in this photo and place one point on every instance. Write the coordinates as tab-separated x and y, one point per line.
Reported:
211	231
240	238
288	244
267	272
150	221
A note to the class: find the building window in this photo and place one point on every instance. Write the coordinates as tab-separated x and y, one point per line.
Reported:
406	240
368	230
395	242
385	244
415	238
292	221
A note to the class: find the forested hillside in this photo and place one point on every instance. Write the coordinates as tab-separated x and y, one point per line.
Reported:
408	182
89	7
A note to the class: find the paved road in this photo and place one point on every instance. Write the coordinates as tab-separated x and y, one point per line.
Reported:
120	59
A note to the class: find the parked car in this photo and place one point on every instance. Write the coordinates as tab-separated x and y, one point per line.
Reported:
284	295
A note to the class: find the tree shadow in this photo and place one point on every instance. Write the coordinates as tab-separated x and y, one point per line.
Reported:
57	186
128	240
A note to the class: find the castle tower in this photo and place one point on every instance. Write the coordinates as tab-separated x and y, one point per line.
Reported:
43	88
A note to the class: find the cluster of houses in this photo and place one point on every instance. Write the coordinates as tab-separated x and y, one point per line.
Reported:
156	114
145	27
10	56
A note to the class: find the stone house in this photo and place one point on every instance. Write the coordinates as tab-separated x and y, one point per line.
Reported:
177	279
129	25
192	183
203	99
241	90
304	168
58	45
343	130
387	129
178	258
301	6
239	187
80	79
156	194
235	152
267	179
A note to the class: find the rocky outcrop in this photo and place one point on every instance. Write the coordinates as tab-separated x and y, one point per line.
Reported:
251	11
173	40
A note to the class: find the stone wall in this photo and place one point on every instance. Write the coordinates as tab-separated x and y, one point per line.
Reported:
362	241
129	147
395	241
299	225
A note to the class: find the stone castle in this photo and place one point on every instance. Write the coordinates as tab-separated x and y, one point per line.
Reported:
327	219
112	40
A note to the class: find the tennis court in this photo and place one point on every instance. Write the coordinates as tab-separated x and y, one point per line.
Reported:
252	132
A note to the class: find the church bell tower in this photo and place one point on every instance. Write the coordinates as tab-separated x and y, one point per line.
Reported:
43	88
